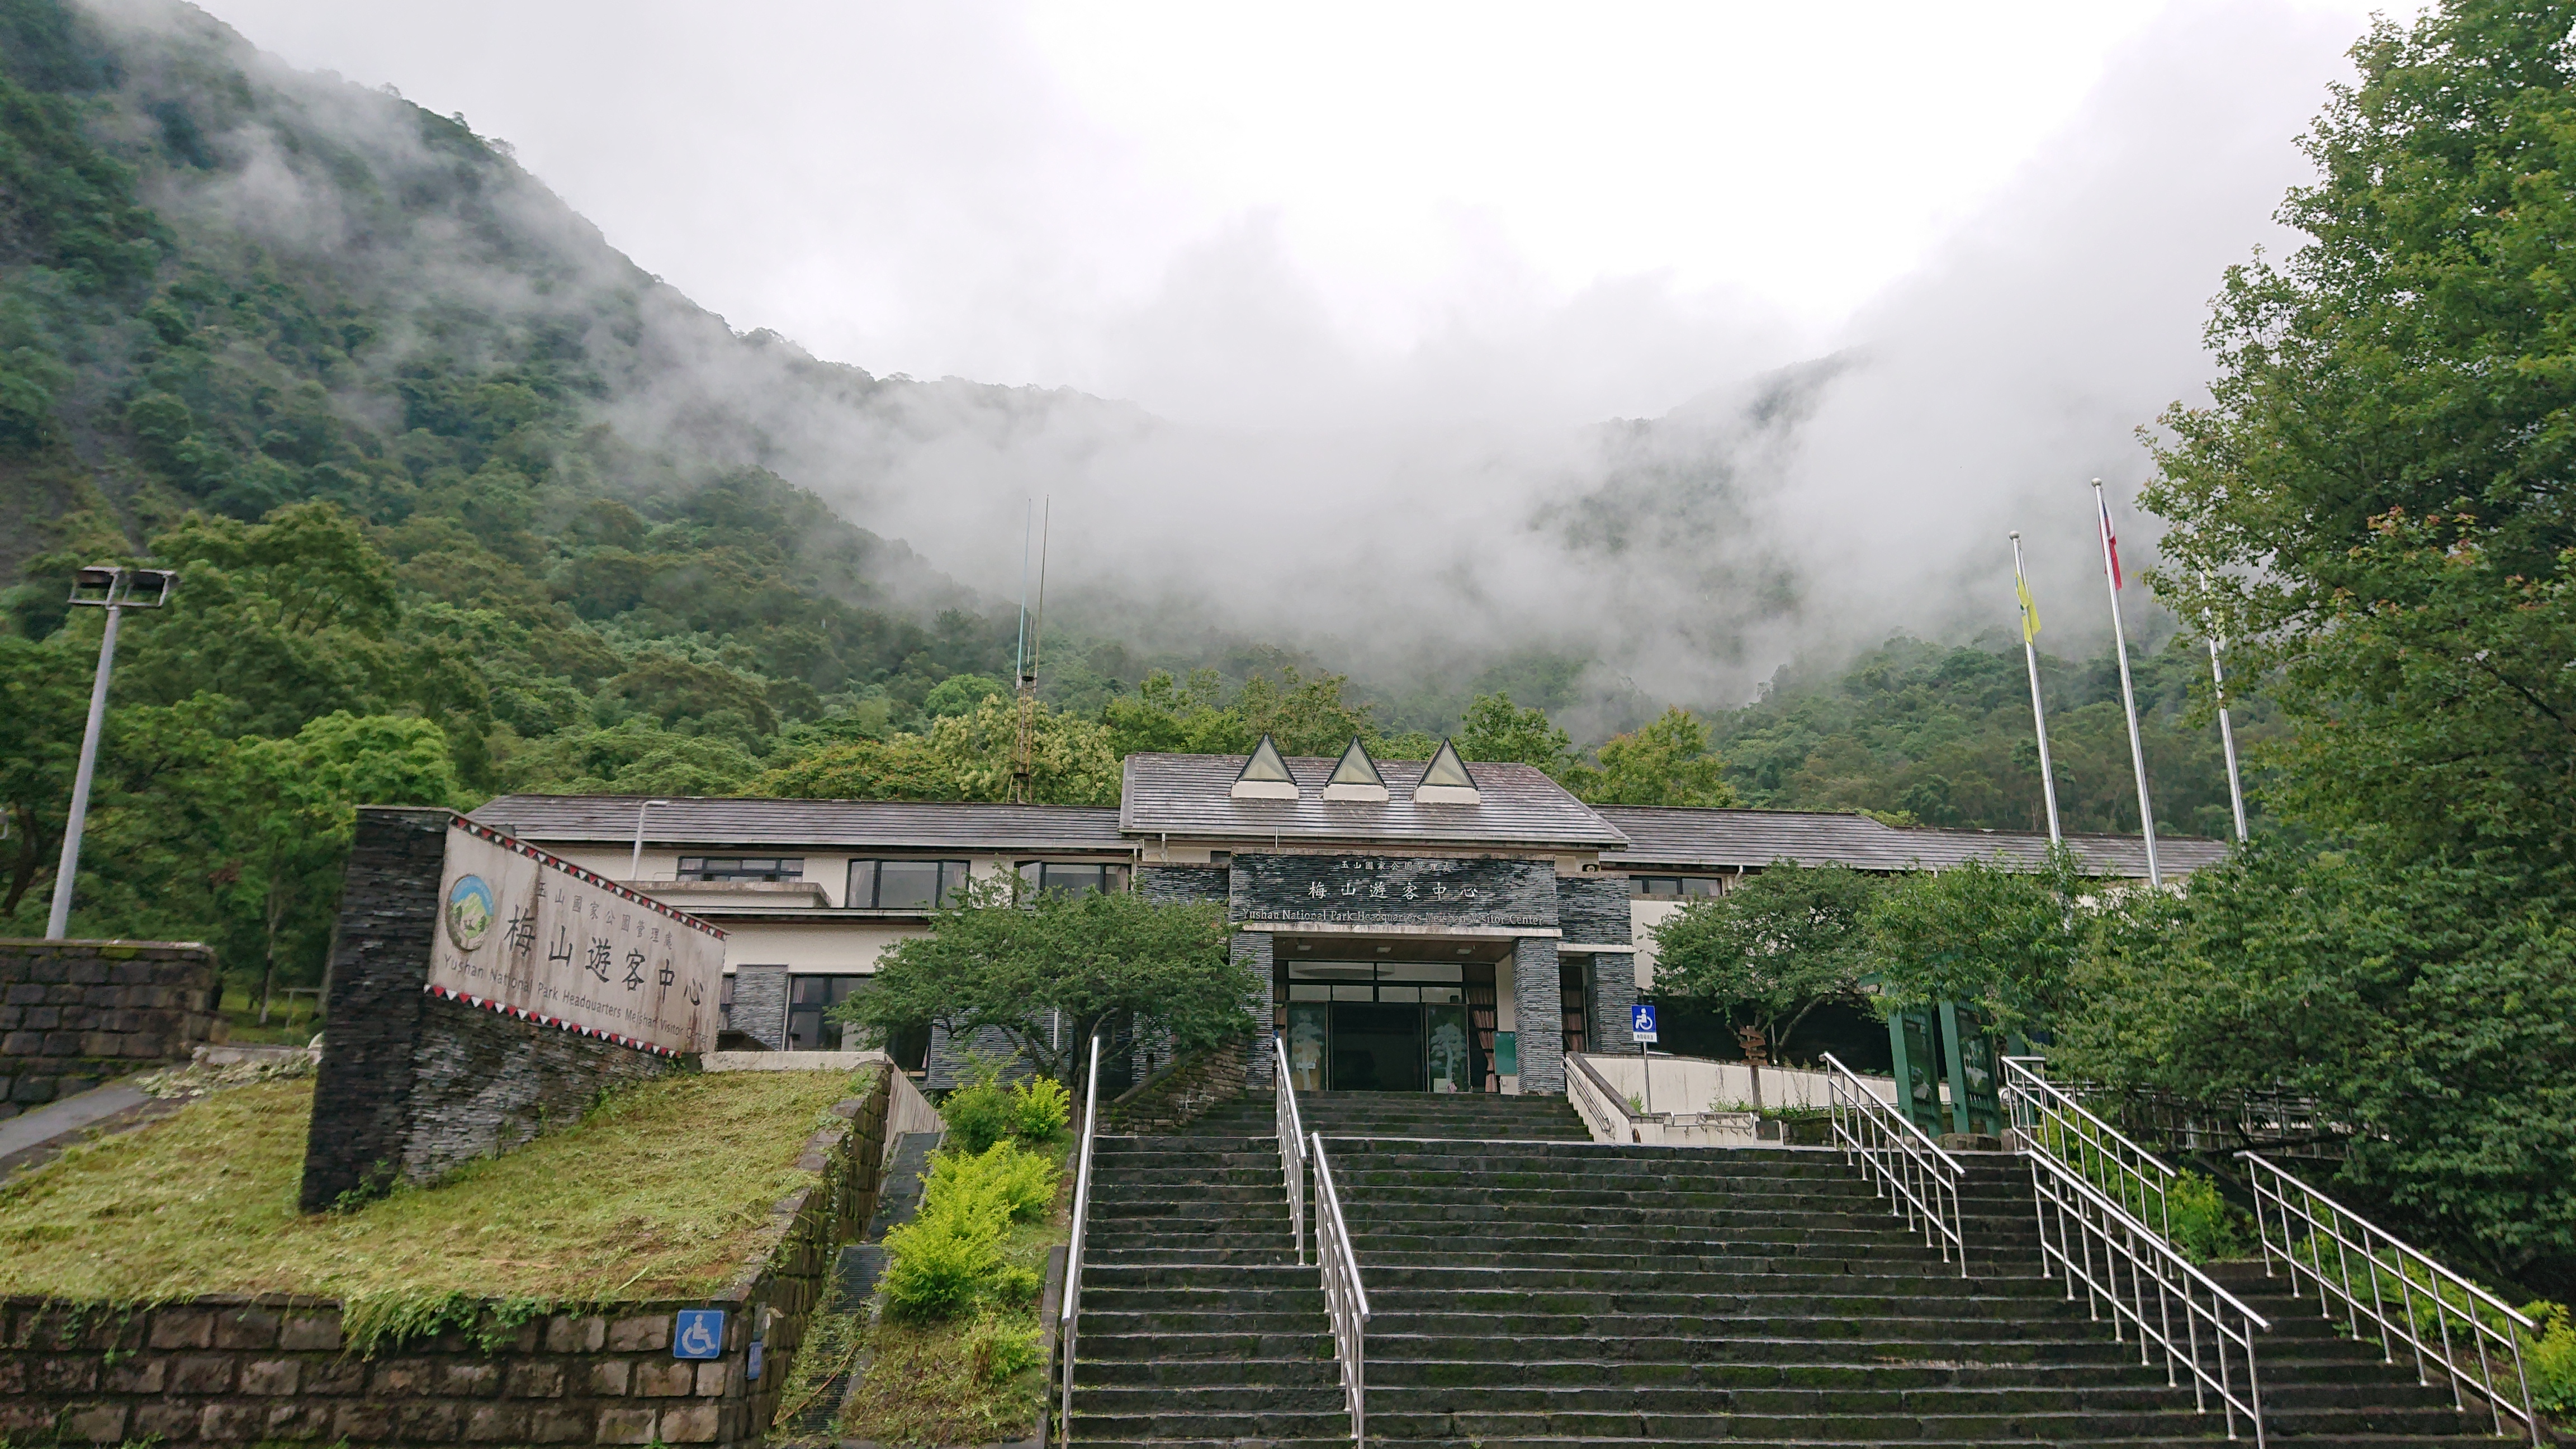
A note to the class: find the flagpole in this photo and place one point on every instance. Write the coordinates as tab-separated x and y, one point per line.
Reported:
2226	732
2038	713
2128	691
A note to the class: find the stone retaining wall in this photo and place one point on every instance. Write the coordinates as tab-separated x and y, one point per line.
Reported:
411	1085
243	1370
1183	1092
75	1013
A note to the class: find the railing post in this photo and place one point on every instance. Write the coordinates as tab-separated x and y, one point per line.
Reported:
1068	1323
1292	1147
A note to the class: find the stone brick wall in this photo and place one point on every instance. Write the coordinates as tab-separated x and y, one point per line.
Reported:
411	1085
74	1013
1540	1005
1178	884
1593	910
243	1370
1182	1092
760	1005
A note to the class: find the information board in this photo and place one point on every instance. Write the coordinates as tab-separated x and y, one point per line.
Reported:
522	932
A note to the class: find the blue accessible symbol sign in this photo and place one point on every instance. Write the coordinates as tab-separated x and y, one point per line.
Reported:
1641	1022
698	1333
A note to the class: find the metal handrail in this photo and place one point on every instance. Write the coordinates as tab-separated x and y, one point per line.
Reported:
1587	1077
1292	1148
2217	1329
2046	1118
2390	1263
1345	1300
1910	1169
1072	1311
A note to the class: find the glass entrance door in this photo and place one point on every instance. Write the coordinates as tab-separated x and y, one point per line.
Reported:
1377	1047
1359	1027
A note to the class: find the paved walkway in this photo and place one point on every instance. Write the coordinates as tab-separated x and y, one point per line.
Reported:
32	1129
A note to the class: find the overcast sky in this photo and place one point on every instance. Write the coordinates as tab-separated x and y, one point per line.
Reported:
1398	262
1025	193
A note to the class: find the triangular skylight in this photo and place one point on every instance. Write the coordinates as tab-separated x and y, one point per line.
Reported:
1445	780
1356	777
1265	776
1356	767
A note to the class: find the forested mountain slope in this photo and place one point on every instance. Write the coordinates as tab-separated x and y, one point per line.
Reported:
464	501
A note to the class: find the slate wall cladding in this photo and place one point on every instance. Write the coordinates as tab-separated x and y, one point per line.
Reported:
760	1004
484	1083
1593	909
410	1085
236	1369
1541	1009
1610	988
1174	884
74	1013
1254	950
1394	890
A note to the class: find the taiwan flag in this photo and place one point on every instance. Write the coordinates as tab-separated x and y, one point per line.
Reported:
2110	540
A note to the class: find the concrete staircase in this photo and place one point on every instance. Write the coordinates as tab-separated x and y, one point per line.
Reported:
1198	1327
1532	1288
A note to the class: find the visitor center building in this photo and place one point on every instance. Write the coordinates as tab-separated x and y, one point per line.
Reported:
1429	926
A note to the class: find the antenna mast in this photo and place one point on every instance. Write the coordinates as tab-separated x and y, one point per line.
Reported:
1024	747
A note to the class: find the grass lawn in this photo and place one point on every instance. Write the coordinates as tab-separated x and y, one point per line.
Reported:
657	1193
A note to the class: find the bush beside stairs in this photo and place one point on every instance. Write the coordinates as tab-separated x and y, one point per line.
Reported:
1532	1288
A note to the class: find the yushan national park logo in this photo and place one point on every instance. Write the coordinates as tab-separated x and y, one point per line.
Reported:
470	912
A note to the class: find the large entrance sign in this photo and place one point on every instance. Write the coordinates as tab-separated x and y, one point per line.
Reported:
1380	890
524	933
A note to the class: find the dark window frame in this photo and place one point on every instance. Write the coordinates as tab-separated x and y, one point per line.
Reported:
875	865
733	868
1119	871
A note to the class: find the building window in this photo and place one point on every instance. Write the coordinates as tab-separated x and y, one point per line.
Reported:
740	867
808	997
904	885
1570	994
1048	875
724	1004
1674	887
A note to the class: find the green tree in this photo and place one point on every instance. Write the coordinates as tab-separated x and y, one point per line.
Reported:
1775	948
1666	762
2430	1006
1003	960
2370	503
633	757
1496	729
1987	933
44	703
962	757
1169	715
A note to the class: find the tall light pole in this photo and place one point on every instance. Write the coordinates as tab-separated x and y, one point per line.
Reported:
115	589
635	865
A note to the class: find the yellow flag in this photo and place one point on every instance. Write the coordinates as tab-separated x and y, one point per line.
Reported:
2029	610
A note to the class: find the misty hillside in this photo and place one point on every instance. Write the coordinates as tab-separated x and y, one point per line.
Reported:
234	287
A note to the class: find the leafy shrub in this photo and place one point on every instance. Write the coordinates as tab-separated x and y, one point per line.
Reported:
1040	1108
2206	1227
1002	1177
978	1115
984	1112
949	1257
2550	1360
938	1265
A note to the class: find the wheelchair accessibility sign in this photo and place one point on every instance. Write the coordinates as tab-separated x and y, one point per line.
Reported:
698	1333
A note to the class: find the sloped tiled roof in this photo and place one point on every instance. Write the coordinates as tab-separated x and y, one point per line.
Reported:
1188	795
798	824
1749	839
